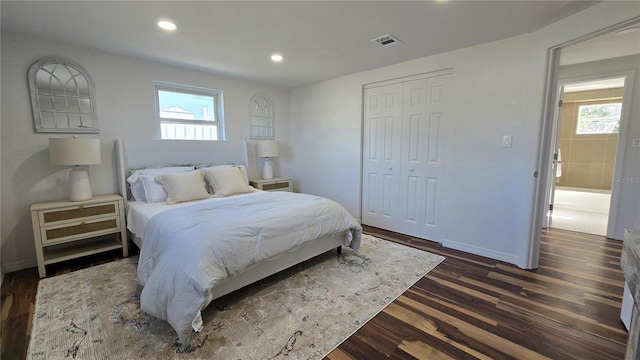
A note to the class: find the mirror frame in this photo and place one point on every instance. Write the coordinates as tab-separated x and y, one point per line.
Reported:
36	106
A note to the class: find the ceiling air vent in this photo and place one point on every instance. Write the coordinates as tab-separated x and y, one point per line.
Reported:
387	40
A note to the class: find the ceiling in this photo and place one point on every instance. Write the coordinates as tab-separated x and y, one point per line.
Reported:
618	43
320	40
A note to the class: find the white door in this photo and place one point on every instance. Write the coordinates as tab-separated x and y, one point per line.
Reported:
423	151
381	156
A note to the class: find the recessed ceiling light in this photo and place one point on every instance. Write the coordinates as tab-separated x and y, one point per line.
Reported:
167	25
277	57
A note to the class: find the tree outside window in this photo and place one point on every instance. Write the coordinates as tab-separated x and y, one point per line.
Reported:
599	119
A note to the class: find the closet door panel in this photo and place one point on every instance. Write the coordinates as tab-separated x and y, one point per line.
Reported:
381	155
413	132
433	168
372	118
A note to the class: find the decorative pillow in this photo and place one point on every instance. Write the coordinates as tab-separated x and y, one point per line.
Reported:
218	167
227	181
137	190
184	187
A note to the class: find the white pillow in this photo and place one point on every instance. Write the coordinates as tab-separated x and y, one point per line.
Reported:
153	190
218	167
227	181
137	190
184	187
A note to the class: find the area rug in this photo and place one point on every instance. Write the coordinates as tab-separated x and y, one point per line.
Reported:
301	313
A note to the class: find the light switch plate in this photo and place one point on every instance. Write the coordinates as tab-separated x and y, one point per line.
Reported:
506	141
635	143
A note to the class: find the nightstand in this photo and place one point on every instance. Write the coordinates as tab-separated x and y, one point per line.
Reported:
275	184
64	230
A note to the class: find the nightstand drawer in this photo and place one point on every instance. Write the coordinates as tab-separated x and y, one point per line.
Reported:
277	186
76	213
69	232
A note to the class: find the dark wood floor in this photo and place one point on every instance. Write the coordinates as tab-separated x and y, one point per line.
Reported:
468	307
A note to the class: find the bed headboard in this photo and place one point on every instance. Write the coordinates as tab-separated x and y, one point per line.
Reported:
136	154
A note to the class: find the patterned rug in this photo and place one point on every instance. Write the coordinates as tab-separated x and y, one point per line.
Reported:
301	313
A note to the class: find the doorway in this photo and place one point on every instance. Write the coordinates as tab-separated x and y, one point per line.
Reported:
620	60
587	130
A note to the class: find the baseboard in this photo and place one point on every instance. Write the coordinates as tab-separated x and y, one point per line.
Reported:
476	250
618	236
19	265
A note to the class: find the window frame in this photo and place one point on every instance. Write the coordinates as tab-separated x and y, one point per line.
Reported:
191	90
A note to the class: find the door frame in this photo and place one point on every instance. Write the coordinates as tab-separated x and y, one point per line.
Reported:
625	120
532	254
555	137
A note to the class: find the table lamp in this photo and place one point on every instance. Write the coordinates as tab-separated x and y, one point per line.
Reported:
76	152
267	149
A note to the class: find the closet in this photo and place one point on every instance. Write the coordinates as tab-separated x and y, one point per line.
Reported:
404	154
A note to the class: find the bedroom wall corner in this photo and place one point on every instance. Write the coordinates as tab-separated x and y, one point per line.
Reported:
126	109
1	238
499	87
479	170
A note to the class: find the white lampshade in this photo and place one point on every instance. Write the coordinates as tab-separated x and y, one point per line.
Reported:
74	151
268	148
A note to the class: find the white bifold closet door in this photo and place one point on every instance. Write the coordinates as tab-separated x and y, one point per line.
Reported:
382	147
405	139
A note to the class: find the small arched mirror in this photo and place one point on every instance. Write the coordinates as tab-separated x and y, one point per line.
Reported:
261	117
62	97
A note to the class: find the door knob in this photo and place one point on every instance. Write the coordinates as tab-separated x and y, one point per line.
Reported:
390	168
411	169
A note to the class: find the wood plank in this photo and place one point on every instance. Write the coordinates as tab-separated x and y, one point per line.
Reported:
338	354
421	350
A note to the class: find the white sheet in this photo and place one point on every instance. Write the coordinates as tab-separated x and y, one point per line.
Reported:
189	249
140	212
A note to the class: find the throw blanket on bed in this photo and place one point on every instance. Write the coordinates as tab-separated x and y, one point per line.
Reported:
186	251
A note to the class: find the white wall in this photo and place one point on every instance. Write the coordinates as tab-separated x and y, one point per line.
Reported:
629	182
125	108
498	89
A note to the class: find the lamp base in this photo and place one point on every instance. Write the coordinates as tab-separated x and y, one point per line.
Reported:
267	170
80	185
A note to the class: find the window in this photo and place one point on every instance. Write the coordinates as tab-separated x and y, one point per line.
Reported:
189	113
599	118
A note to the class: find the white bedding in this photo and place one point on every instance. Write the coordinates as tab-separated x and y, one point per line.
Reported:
189	248
140	212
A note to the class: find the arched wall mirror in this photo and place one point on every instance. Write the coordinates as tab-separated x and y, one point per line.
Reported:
62	97
261	117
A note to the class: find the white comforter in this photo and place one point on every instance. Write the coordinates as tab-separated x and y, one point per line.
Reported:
186	251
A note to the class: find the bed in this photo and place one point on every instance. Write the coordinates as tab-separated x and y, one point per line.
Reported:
195	251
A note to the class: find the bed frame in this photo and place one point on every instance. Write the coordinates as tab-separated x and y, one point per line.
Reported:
136	154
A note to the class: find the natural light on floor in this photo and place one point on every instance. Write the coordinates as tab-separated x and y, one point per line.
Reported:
580	211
